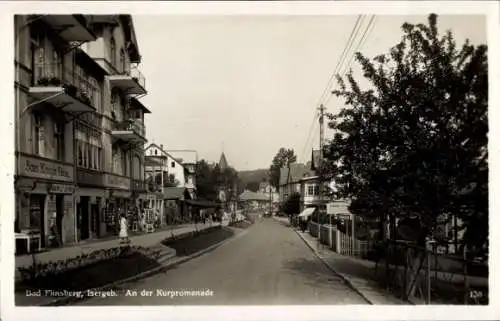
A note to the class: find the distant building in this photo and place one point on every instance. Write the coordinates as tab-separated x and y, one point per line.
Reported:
188	159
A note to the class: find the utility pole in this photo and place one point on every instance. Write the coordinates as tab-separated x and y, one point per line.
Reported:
270	199
321	143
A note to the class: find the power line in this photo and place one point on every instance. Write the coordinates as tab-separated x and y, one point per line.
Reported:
341	58
360	44
340	62
311	128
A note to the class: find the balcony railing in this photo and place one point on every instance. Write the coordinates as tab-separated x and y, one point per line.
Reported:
76	85
138	185
131	125
137	76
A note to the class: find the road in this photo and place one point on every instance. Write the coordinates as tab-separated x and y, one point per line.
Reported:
268	264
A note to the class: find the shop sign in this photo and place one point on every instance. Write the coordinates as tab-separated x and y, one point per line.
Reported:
61	189
89	178
37	168
116	181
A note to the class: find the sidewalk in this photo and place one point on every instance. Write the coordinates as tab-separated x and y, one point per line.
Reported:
357	273
284	220
167	262
145	240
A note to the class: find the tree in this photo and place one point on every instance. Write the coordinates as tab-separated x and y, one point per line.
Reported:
210	179
252	186
205	181
171	181
414	145
284	157
292	204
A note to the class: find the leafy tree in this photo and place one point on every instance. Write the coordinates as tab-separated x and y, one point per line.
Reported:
205	185
414	145
170	181
210	178
284	157
292	204
252	186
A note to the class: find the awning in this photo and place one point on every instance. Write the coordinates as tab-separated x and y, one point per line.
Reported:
173	193
307	212
202	203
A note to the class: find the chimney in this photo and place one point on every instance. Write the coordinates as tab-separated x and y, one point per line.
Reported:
161	146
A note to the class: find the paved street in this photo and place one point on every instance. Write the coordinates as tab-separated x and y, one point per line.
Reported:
267	264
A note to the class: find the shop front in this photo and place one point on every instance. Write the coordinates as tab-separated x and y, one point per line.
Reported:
44	191
90	202
118	201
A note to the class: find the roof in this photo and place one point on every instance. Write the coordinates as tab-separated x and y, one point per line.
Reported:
162	150
223	161
186	156
174	193
252	196
298	171
135	103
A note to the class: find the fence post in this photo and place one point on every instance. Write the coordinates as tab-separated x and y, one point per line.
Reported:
427	275
466	278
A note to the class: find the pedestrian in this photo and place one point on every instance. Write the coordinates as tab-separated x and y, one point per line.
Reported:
123	230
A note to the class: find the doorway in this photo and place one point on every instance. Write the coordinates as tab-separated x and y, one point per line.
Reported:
83	217
59	215
94	213
37	216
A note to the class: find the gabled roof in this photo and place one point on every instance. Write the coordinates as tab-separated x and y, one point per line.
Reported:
187	156
162	151
298	171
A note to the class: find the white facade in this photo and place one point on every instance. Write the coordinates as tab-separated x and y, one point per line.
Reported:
171	165
188	159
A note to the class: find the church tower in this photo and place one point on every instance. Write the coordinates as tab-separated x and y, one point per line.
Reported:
223	162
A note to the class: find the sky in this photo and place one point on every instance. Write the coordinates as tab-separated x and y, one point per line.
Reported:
248	85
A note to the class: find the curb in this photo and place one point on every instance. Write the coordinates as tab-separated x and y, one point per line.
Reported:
168	265
346	280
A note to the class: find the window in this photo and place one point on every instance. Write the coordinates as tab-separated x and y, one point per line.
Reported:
310	190
172	164
156	152
38	139
316	190
94	93
124	162
80	153
112	52
123	63
59	141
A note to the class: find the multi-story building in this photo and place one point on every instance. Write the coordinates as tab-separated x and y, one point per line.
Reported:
68	82
120	181
188	159
302	179
55	85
